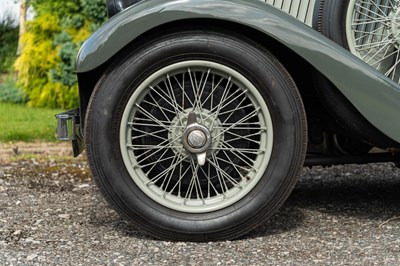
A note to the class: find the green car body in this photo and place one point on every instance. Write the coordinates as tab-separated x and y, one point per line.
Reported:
198	115
375	96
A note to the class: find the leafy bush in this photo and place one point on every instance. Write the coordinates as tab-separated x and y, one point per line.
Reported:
9	92
52	39
8	43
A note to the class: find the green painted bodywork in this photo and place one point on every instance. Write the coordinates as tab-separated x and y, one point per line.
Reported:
374	95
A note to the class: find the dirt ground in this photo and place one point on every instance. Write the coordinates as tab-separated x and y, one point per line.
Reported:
52	214
41	149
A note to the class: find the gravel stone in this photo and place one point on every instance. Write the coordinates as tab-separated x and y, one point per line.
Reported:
51	213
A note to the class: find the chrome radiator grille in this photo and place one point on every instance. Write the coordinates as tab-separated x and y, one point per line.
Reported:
300	9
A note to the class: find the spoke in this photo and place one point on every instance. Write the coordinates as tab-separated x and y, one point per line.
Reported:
223	173
369	11
380	50
394	67
246	137
151	169
192	183
170	171
160	108
374	33
245	150
209	183
197	181
184	94
179	182
163	97
222	104
371	45
244	128
250	115
364	22
237	109
140	119
172	95
202	89
214	88
151	148
223	98
383	13
146	134
221	180
177	156
149	125
194	87
155	119
157	106
198	89
386	56
158	177
244	124
240	154
235	165
138	165
165	142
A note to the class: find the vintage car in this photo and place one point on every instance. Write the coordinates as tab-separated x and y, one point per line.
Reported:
198	115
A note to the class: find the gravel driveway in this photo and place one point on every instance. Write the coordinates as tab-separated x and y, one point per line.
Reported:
50	213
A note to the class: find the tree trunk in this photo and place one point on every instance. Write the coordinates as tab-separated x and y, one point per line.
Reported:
22	19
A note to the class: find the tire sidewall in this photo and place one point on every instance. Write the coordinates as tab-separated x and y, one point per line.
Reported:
330	19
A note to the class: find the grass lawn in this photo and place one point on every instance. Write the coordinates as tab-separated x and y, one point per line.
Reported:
22	123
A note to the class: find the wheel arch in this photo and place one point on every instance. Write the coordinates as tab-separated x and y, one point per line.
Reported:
357	81
298	71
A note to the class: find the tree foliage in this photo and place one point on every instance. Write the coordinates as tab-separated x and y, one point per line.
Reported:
49	47
8	43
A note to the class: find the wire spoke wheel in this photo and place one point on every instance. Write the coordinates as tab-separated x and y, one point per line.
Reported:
196	135
369	29
373	34
160	156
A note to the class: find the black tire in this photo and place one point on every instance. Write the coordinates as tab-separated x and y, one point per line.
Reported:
116	6
330	20
108	156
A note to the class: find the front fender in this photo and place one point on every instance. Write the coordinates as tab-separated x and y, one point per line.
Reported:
374	95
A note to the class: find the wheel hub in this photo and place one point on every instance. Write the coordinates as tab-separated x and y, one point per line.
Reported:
205	136
196	139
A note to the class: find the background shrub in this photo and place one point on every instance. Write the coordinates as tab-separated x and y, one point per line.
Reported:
49	48
9	92
8	43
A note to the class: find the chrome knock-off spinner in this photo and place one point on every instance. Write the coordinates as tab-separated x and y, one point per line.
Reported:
196	139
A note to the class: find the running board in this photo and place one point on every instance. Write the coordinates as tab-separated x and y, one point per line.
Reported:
330	160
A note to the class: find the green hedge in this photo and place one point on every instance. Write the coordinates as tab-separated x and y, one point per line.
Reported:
52	40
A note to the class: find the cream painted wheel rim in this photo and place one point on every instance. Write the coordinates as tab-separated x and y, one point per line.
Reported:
228	105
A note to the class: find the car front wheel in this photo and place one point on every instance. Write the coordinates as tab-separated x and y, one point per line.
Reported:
196	135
